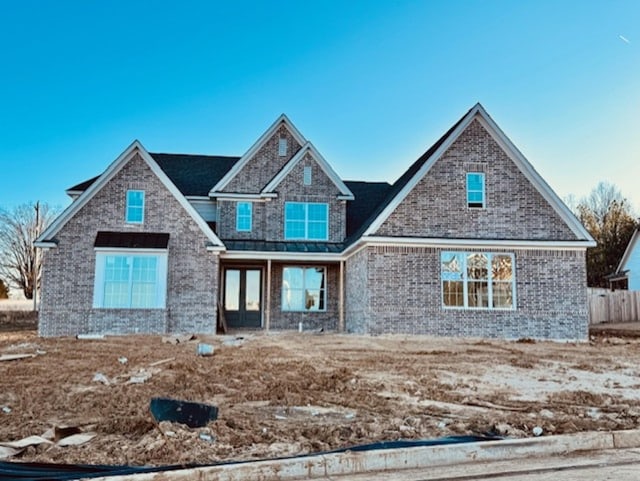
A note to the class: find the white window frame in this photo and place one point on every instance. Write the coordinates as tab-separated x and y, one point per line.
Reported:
323	292
282	147
128	207
465	282
161	272
306	176
240	216
482	191
306	221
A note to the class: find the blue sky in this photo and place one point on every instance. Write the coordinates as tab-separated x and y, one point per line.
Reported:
372	84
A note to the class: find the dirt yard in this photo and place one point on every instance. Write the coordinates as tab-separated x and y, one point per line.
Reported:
289	393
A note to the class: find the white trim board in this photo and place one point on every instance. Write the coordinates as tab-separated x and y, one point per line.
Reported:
628	251
239	165
128	154
514	154
284	256
308	147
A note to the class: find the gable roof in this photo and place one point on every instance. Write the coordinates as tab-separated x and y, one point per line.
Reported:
282	120
308	147
419	169
627	252
46	238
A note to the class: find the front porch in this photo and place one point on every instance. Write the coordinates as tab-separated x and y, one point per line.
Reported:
282	293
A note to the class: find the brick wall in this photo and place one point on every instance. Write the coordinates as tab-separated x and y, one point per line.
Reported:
405	296
437	206
68	279
264	165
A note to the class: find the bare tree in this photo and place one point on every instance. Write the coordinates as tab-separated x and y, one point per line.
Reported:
20	262
610	220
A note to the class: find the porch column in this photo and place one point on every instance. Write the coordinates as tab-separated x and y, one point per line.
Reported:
267	314
341	298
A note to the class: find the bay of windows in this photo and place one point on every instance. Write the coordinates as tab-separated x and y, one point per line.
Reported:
478	280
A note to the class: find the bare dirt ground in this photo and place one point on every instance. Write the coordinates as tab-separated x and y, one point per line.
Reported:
289	393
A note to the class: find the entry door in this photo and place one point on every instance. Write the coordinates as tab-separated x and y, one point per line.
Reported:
242	302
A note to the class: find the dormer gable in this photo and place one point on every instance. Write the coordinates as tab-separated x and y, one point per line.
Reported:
261	163
310	156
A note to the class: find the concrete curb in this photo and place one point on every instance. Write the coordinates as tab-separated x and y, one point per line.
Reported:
350	463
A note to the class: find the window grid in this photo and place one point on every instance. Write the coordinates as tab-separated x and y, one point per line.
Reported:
478	280
475	189
135	206
243	216
306	221
130	282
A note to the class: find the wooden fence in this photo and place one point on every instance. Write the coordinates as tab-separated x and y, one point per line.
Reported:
613	306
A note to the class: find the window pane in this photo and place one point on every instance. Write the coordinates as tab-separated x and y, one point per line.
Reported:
475	181
116	281
453	293
477	267
294	211
502	295
294	230
252	290
303	288
451	266
318	212
478	294
501	267
317	231
232	290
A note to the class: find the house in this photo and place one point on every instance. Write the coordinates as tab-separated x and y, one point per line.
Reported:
628	273
469	241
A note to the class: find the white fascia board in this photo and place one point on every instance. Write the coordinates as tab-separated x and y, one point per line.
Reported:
82	200
533	176
213	238
284	256
345	193
45	245
628	251
400	196
239	196
500	243
216	249
197	198
239	165
120	250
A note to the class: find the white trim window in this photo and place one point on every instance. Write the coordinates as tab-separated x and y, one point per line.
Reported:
135	207
282	147
130	280
306	221
476	190
304	288
244	216
478	280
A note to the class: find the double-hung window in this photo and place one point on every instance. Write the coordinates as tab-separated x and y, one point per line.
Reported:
135	207
306	221
304	288
243	216
478	280
130	280
476	189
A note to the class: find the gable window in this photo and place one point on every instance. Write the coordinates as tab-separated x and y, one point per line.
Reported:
130	280
477	280
304	288
243	216
475	189
135	207
282	147
307	175
306	221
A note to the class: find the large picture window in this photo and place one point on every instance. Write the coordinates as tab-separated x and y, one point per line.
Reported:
478	280
304	289
130	281
306	221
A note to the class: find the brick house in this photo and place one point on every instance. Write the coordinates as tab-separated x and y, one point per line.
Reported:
469	241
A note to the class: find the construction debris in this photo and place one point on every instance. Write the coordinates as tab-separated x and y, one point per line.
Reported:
178	338
193	414
59	436
15	357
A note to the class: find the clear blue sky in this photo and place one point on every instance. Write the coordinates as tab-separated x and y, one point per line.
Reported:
372	84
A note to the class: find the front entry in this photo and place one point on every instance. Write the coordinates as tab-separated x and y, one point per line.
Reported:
242	297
